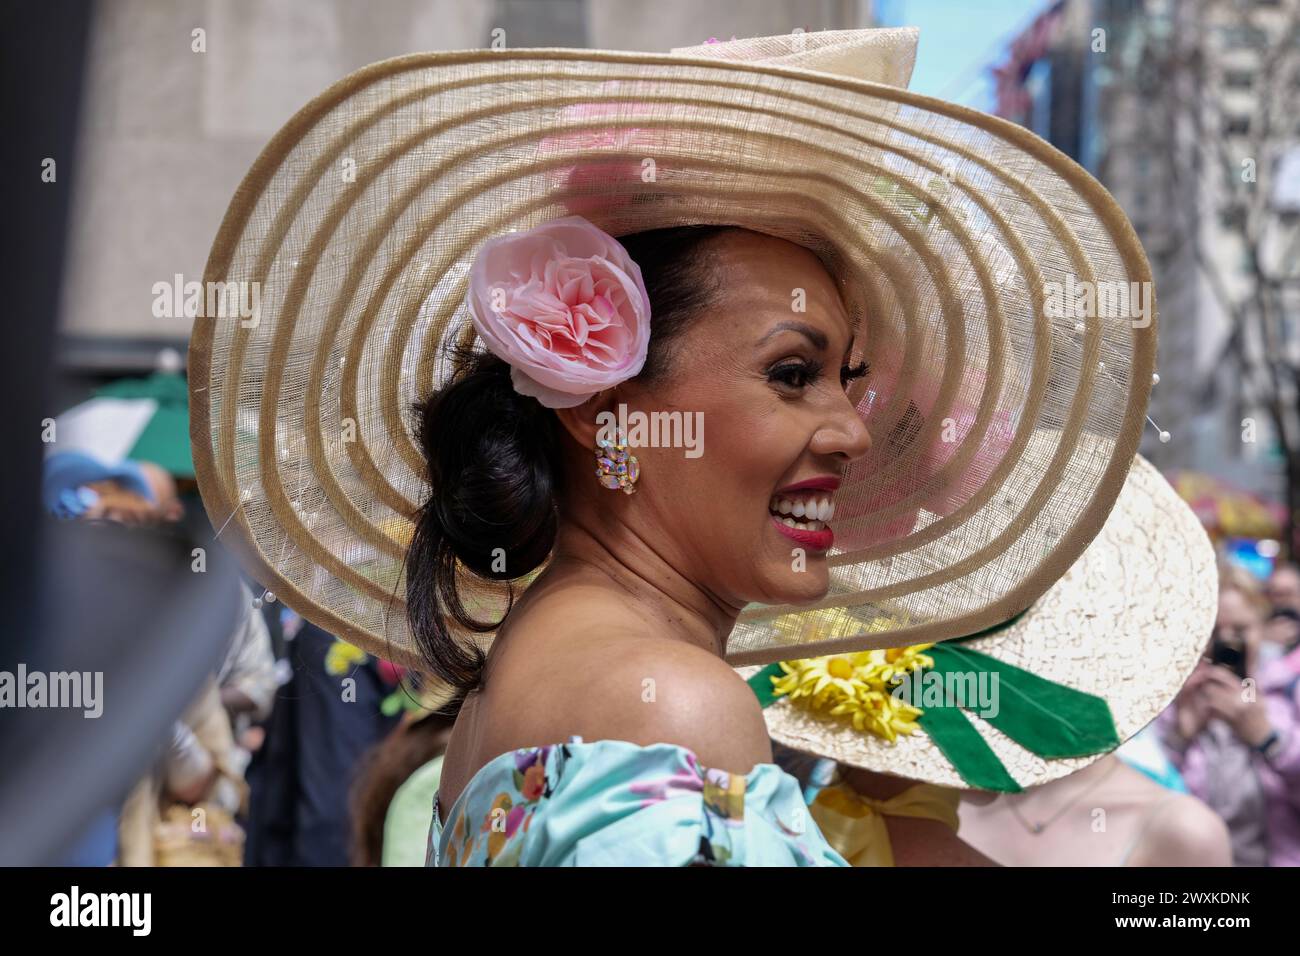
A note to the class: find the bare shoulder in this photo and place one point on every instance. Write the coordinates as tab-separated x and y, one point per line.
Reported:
1184	832
665	690
602	674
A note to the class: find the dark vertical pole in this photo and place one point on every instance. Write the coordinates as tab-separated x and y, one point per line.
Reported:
41	72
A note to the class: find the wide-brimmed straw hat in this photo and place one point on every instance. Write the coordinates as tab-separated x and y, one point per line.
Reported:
983	266
1084	668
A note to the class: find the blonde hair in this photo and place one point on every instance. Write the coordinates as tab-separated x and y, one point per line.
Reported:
1233	577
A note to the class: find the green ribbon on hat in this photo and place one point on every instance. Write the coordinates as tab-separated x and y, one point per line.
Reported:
1048	719
761	685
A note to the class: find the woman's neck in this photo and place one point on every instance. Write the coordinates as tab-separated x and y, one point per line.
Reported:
613	556
1063	789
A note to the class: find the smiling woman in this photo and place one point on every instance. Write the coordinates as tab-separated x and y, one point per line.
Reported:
646	587
538	240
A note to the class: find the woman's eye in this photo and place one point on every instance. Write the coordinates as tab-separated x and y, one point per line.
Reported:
795	374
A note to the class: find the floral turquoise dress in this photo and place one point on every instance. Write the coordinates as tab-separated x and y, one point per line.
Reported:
616	803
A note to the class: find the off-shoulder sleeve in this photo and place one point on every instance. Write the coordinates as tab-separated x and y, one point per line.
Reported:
614	803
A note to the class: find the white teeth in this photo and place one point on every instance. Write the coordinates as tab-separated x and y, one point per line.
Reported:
812	510
803	525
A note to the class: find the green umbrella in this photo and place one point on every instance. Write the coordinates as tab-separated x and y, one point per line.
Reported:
143	419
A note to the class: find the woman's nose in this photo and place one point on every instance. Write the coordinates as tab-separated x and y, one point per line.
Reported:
846	434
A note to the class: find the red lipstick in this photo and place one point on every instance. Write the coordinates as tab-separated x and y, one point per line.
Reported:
824	483
816	540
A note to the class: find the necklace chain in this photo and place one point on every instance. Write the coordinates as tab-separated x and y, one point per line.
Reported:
1037	828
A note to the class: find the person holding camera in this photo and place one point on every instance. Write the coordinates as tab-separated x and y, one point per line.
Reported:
1233	732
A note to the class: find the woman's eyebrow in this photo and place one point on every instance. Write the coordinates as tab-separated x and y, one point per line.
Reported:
814	335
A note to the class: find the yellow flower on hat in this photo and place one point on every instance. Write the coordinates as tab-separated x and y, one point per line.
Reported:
801	628
858	687
814	676
806	627
900	660
880	714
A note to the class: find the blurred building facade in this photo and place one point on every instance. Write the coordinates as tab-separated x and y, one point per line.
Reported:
181	96
1186	112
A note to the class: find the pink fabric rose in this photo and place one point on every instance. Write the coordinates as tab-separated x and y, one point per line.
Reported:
565	305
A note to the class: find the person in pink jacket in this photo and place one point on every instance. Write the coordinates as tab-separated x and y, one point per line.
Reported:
1237	741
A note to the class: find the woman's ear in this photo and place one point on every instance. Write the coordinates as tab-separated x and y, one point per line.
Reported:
582	422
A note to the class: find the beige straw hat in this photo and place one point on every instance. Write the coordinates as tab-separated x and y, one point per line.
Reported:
985	268
1126	624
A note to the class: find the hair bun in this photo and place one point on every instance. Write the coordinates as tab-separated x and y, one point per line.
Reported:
493	463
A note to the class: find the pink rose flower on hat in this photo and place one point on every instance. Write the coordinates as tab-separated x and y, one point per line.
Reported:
563	304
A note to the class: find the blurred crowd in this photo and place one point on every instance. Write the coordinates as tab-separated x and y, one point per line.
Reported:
1214	780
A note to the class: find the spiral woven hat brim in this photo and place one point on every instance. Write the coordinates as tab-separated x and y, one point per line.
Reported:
1002	428
1127	623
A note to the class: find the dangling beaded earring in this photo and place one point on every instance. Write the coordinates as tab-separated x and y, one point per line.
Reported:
615	467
